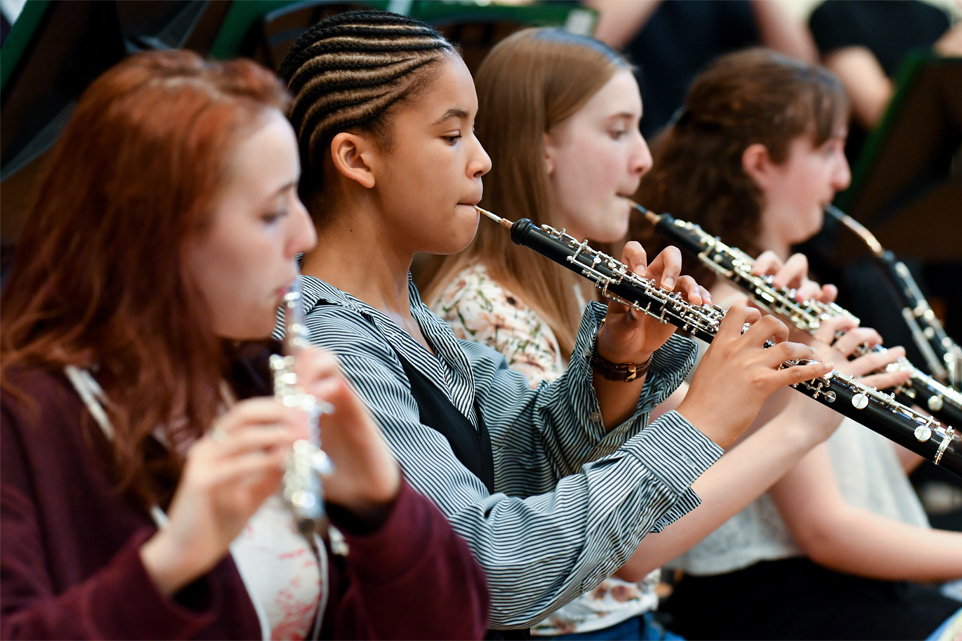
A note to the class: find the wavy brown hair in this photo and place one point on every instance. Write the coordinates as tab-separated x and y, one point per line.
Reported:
743	98
529	82
100	280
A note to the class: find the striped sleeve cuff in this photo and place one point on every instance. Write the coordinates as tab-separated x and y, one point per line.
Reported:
675	451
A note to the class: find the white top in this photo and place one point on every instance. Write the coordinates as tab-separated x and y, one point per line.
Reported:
869	476
281	570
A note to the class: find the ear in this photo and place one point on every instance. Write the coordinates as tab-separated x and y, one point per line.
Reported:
550	148
352	156
757	163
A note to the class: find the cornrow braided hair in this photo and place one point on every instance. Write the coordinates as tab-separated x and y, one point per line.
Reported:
348	70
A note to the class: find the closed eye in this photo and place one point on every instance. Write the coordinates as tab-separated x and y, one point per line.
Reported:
273	216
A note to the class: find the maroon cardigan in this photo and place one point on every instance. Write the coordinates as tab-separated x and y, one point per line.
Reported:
70	566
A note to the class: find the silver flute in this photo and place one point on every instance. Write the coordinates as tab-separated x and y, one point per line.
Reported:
872	408
942	355
736	266
303	490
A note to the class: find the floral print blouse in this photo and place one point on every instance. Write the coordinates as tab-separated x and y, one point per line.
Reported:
480	309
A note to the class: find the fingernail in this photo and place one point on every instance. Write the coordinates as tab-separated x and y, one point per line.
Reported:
668	283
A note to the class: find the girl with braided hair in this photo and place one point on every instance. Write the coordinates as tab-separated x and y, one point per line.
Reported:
140	480
552	487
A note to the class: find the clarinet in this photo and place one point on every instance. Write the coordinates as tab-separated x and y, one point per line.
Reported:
876	410
302	487
736	266
942	355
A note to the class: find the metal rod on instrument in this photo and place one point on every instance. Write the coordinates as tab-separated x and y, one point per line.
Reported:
942	355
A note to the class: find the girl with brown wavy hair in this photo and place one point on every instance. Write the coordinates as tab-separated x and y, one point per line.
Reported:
837	548
139	496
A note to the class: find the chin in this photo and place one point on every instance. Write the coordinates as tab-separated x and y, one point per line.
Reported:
613	232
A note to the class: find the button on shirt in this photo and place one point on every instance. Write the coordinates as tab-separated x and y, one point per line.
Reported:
571	500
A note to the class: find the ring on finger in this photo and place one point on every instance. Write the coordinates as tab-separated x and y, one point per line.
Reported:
218	434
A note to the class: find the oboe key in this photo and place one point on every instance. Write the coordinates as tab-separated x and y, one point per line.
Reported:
860	401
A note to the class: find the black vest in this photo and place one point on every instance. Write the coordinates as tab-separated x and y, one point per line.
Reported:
471	446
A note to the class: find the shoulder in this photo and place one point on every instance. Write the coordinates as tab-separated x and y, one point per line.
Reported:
336	320
469	285
474	297
42	423
32	392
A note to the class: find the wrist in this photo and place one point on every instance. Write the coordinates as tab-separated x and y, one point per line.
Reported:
619	372
169	569
604	349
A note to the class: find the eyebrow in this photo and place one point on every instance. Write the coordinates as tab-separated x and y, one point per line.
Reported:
280	190
455	112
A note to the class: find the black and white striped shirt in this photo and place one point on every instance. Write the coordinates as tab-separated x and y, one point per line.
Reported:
572	501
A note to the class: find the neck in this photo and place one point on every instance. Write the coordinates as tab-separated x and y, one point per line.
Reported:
354	254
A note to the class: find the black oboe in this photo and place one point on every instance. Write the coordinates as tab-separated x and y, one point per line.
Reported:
736	266
942	355
874	409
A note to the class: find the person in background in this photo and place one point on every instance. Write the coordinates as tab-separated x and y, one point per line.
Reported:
864	43
671	42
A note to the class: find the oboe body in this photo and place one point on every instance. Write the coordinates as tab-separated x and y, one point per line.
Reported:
942	355
874	409
736	266
303	490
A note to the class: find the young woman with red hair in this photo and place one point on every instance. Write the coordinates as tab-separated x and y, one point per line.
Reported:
139	497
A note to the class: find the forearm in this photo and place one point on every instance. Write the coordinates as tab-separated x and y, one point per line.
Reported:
865	81
569	428
540	552
780	31
737	479
618	400
620	20
860	542
88	610
413	552
907	458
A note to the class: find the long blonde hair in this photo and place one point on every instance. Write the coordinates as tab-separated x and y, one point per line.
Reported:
528	83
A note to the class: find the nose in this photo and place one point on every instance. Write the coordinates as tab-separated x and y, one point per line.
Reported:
641	160
303	235
480	162
842	175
